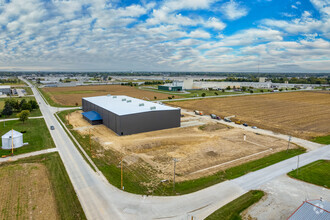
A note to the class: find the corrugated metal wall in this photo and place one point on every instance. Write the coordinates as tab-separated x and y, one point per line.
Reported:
136	123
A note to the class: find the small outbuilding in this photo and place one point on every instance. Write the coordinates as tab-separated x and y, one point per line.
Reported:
10	137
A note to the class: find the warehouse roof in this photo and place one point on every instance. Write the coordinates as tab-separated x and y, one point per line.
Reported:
125	105
4	87
313	209
92	115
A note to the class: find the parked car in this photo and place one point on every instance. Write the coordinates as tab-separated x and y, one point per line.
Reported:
227	119
245	124
213	116
52	127
254	127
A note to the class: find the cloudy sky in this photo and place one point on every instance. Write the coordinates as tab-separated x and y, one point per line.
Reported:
168	35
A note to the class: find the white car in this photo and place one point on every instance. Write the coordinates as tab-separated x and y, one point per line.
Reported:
254	127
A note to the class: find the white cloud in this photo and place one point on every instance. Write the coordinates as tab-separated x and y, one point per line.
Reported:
111	37
322	5
215	24
199	34
233	10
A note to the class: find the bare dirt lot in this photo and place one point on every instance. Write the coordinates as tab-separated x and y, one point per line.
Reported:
196	147
301	114
26	192
72	95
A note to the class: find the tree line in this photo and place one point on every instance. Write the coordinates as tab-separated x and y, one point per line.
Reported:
23	108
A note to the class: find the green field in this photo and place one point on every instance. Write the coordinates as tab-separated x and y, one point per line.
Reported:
33	113
68	205
232	210
193	93
37	135
322	139
137	178
317	173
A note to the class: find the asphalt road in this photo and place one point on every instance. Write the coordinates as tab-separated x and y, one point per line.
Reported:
100	200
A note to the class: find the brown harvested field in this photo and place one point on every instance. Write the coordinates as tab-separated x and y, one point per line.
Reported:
196	147
26	192
300	114
72	95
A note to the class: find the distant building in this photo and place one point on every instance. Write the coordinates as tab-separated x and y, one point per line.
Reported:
188	84
5	90
126	115
175	86
262	79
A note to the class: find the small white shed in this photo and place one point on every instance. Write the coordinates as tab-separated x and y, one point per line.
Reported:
10	137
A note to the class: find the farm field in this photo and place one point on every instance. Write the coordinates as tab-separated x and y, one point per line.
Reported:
148	157
300	114
69	96
26	192
37	188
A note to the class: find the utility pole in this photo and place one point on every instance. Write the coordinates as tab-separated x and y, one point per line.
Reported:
174	160
90	143
288	144
297	166
121	175
12	142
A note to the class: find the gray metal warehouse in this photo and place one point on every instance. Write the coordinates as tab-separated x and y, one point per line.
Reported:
126	115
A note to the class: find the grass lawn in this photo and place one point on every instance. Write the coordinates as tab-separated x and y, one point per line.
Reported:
322	139
232	210
317	173
68	205
33	113
135	178
37	135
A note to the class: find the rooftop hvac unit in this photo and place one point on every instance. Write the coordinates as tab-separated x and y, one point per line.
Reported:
141	104
153	108
108	95
114	97
123	100
129	101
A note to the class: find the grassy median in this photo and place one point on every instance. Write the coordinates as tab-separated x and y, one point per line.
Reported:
232	210
316	173
322	139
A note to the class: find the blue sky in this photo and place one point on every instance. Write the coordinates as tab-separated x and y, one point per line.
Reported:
168	35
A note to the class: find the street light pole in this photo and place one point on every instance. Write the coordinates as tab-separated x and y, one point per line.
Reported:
288	144
174	160
121	175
